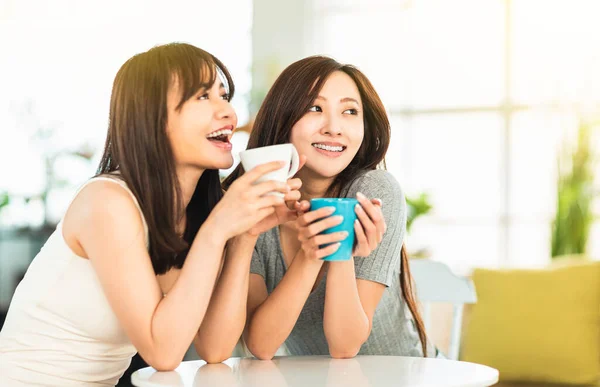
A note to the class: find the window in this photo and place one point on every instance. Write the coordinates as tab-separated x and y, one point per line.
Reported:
480	95
58	64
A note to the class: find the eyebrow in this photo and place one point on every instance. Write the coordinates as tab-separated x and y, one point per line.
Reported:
346	99
205	87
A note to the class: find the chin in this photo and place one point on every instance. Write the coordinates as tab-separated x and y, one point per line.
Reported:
226	164
326	173
221	166
215	164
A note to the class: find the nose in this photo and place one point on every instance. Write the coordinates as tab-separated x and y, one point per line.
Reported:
332	126
224	110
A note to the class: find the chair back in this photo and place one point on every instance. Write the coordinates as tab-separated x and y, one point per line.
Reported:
435	282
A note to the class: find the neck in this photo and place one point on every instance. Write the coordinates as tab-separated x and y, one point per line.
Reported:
188	179
313	186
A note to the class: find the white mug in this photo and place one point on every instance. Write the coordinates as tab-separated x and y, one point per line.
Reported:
287	153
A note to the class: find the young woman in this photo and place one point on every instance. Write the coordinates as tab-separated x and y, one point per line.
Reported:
333	115
144	244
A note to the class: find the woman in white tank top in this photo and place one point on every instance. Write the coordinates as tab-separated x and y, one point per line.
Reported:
144	244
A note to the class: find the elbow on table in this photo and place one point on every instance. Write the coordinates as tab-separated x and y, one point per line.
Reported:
214	355
344	349
345	345
164	363
344	353
261	353
214	358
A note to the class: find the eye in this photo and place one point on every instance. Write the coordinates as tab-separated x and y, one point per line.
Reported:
225	96
315	108
203	96
350	111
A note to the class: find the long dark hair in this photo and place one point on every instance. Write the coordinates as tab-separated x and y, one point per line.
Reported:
290	97
137	145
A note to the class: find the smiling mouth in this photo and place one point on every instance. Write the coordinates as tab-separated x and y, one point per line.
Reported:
329	148
222	135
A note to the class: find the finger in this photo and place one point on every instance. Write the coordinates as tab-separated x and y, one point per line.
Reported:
285	215
265	187
294	184
264	212
380	222
368	205
290	216
361	239
258	171
368	226
270	201
321	253
303	206
325	239
373	211
322	225
377	202
292	196
312	216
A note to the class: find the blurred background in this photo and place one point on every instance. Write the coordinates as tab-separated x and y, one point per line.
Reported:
494	107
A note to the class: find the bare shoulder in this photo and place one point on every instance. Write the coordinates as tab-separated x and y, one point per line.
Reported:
102	209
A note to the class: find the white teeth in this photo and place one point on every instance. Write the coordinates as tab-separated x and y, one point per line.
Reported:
329	148
226	132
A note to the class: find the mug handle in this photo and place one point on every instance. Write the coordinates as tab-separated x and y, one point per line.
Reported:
295	162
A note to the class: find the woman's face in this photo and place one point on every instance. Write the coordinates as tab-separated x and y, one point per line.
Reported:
331	132
200	132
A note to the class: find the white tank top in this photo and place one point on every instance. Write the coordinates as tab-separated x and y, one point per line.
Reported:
60	329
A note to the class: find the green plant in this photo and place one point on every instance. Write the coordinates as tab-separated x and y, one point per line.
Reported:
575	193
417	206
4	200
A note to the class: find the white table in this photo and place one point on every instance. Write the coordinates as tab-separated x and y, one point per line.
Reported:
315	371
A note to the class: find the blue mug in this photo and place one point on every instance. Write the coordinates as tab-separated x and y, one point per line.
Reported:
343	207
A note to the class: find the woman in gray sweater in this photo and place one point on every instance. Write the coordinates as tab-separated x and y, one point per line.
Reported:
333	116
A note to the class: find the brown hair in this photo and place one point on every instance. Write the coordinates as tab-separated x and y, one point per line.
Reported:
137	145
290	97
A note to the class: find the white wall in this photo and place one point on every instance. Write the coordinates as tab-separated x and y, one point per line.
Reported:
281	34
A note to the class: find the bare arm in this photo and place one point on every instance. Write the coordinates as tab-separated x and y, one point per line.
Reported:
160	328
272	318
349	308
113	239
350	303
226	315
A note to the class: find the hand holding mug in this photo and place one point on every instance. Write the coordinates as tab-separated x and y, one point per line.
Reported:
283	213
246	201
286	153
361	220
311	225
369	226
